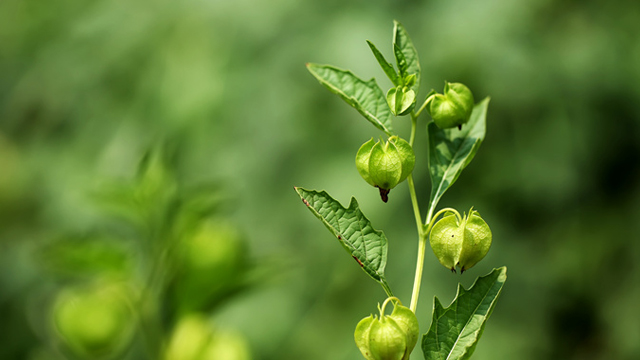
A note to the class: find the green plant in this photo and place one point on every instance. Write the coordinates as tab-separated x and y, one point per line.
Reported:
454	135
146	287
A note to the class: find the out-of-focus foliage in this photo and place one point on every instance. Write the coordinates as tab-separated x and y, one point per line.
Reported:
86	88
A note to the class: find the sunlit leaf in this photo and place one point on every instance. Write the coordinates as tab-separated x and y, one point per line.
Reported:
354	231
406	54
364	96
451	150
455	331
384	64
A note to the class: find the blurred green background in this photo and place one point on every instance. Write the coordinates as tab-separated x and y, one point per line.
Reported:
88	88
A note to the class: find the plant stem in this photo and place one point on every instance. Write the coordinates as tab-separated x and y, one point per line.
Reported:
424	105
420	227
414	120
418	278
414	202
422	245
386	288
423	230
432	208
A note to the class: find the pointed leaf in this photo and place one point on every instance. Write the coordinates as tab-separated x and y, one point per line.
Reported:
406	54
354	231
455	331
384	64
364	96
451	150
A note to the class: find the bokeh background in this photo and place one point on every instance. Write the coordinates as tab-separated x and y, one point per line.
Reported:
90	89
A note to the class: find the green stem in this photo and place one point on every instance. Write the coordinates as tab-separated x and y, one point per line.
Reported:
424	105
414	119
421	237
422	246
432	208
414	202
418	278
386	288
384	304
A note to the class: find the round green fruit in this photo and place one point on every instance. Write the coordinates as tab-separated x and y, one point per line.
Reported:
388	337
460	241
453	108
385	165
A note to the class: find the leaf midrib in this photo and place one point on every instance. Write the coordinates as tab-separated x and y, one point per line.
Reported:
467	323
386	130
446	172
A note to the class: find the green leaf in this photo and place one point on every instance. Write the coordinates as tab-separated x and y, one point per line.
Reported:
364	96
354	231
385	65
451	150
406	54
455	331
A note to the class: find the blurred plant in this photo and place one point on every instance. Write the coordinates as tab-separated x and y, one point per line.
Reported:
194	339
145	287
455	134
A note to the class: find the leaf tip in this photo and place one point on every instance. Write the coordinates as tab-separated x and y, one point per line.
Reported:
437	306
461	290
503	273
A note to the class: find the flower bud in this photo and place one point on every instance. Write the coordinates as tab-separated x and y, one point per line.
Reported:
390	337
401	100
385	165
460	242
453	108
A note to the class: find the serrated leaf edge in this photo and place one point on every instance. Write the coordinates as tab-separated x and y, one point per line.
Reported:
439	310
350	99
377	275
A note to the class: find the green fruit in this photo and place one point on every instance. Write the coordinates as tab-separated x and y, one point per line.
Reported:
453	108
385	165
212	260
389	337
193	338
190	337
94	321
460	242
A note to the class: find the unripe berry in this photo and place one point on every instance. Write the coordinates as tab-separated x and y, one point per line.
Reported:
94	321
385	165
460	242
389	337
453	108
